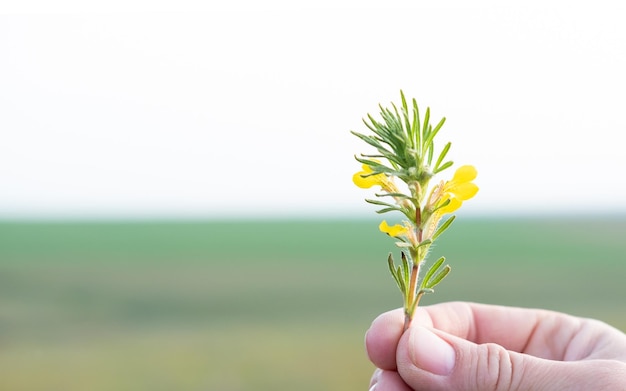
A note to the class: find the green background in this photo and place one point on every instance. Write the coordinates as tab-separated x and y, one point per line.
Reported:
263	305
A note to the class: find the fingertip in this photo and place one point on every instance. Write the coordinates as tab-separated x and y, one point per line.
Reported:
389	380
374	378
430	352
381	339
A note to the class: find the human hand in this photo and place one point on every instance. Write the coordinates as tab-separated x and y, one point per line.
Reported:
468	346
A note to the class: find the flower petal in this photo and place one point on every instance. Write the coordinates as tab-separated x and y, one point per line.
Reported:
394	230
367	169
368	181
363	183
464	191
465	174
454	204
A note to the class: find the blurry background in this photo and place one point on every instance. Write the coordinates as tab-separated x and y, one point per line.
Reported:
176	204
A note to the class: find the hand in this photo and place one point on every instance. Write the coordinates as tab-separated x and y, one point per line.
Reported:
468	346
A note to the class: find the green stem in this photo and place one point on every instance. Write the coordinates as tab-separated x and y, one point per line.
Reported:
408	314
411	301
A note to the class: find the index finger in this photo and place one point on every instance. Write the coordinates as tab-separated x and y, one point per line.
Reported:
541	333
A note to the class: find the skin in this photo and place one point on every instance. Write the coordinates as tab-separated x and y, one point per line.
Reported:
470	346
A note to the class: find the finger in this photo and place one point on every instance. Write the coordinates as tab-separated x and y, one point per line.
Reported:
374	378
458	318
540	333
381	340
389	381
429	359
509	327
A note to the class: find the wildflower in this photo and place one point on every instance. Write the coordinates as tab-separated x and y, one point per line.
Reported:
405	140
394	230
365	180
459	189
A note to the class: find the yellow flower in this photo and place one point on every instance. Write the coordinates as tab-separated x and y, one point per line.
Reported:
460	188
372	180
394	230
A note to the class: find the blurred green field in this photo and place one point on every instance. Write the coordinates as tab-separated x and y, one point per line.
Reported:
262	305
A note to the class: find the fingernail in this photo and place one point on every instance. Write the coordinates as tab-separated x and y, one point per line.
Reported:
431	353
373	388
374	379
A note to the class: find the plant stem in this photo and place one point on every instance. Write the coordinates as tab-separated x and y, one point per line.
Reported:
407	321
408	317
411	300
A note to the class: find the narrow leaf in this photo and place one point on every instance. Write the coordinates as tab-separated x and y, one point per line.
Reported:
393	272
376	202
446	165
392	209
407	121
442	155
417	126
426	126
399	195
437	279
407	273
431	148
443	227
402	279
432	270
431	135
426	242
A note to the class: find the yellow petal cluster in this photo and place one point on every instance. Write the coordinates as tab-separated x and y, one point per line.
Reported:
460	188
364	180
394	230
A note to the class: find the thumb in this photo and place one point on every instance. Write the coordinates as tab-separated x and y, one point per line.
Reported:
429	359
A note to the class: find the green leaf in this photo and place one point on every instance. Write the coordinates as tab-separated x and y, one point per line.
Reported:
432	270
424	243
376	202
398	195
391	209
385	135
431	148
393	272
443	227
428	143
417	127
373	141
394	127
425	128
407	273
384	154
407	121
433	132
445	203
442	155
446	165
440	276
401	277
377	168
375	126
391	264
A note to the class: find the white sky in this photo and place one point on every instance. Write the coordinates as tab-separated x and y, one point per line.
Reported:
201	110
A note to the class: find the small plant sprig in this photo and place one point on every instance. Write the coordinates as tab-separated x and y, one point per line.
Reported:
405	147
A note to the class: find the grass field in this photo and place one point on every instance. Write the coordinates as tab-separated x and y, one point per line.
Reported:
262	305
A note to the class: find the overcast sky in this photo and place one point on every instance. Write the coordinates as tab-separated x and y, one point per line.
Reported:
213	111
